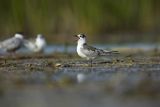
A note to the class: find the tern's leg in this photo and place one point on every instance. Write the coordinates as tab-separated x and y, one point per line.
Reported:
91	62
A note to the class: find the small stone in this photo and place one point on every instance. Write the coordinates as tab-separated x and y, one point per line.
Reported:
58	65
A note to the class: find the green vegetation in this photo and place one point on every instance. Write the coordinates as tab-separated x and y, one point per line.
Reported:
66	17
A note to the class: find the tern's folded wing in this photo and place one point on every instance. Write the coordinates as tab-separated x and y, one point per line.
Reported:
89	50
11	43
30	45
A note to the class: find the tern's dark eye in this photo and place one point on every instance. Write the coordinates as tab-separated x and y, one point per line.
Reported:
82	36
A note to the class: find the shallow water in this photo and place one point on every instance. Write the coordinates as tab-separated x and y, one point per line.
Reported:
50	49
63	81
72	48
54	78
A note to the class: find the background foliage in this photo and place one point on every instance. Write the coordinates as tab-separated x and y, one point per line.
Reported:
103	20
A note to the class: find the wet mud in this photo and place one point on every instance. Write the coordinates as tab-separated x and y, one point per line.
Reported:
40	80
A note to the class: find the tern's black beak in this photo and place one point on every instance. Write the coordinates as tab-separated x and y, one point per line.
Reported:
76	37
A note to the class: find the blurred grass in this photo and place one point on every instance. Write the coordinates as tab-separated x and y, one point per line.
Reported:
63	18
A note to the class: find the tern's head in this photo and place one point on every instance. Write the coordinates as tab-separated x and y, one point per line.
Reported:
40	36
81	38
18	35
40	41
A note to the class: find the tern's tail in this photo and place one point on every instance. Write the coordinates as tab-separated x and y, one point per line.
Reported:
105	52
1	45
113	52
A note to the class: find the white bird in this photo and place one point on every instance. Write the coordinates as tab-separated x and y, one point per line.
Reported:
12	44
36	46
89	52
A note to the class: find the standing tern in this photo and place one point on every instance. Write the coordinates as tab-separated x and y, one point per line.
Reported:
36	46
89	52
12	44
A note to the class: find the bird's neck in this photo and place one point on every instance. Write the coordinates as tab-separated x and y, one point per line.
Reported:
81	43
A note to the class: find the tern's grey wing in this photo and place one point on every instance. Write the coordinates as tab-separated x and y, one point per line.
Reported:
87	47
96	51
89	50
30	44
11	44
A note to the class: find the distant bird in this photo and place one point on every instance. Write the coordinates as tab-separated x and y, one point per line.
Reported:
89	52
12	44
36	46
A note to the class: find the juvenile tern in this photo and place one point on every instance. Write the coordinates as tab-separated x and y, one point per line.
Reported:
89	52
36	46
12	44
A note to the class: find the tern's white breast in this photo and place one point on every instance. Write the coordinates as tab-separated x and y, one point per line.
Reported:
41	43
80	53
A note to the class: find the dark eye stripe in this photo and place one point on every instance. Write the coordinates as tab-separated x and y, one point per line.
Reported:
83	36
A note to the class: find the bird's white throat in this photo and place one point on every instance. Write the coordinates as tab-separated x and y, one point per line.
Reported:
81	41
40	42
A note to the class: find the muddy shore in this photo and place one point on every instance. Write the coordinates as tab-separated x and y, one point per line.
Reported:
30	80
